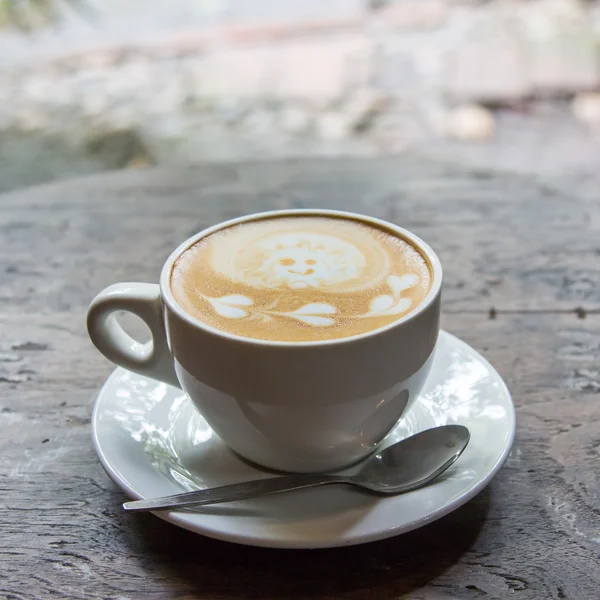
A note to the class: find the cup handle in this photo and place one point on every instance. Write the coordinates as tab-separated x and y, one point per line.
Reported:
152	359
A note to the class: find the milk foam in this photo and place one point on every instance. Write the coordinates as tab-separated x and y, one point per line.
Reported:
300	278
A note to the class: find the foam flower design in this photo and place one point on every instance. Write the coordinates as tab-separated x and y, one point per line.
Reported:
319	314
237	306
394	303
230	306
313	314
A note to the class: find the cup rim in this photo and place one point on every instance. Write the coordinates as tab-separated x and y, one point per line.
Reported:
430	255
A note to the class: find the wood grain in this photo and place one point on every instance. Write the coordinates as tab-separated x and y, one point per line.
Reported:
522	285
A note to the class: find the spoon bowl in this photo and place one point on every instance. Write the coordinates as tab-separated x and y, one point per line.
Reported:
413	462
403	466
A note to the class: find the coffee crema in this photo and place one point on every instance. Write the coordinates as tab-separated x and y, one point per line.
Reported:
300	278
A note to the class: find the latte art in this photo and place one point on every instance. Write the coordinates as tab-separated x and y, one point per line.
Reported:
300	278
297	258
301	260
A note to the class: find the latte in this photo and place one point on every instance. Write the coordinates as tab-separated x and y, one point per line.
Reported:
300	278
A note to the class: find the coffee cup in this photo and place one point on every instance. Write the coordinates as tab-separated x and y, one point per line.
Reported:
275	395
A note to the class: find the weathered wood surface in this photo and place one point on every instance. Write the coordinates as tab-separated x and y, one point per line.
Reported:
522	268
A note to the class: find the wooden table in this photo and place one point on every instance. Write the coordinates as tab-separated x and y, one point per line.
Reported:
522	286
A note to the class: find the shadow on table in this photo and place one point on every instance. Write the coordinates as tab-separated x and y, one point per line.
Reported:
385	569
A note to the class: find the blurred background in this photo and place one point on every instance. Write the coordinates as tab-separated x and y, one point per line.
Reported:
87	86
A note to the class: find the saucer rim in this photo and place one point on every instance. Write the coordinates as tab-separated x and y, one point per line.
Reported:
179	519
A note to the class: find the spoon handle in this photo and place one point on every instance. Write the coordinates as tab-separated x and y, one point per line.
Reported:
237	491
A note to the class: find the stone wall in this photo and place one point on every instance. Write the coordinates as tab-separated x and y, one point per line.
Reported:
141	82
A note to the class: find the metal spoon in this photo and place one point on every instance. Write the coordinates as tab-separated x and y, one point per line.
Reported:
404	466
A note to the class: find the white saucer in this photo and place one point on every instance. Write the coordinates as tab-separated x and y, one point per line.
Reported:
152	442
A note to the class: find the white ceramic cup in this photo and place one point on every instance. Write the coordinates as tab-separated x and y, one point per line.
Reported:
290	406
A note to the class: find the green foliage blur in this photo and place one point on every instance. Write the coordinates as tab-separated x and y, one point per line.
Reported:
31	15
